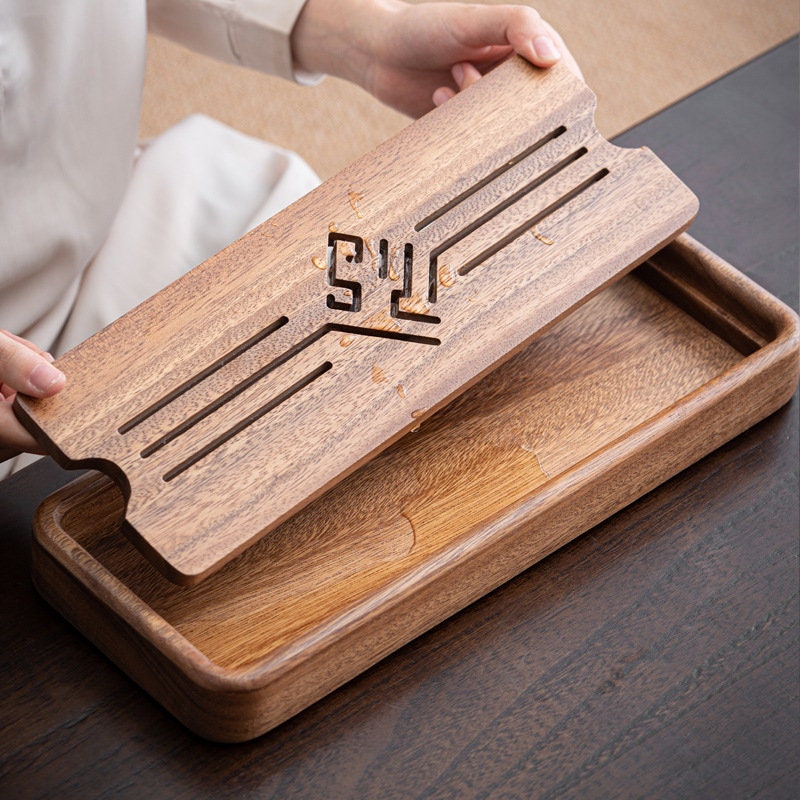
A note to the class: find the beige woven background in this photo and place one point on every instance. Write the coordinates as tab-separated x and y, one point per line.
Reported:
638	56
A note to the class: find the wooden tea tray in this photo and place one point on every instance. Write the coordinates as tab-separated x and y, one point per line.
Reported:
647	377
238	394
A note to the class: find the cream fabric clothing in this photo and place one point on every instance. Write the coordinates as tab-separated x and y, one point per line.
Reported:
193	190
90	223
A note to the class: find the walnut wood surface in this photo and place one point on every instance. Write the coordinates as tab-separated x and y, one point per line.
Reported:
654	656
616	398
246	389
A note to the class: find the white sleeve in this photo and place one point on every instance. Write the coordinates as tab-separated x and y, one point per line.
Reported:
252	33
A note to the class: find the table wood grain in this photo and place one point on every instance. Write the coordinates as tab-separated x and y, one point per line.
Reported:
656	656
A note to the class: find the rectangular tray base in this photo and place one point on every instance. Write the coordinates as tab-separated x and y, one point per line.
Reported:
646	378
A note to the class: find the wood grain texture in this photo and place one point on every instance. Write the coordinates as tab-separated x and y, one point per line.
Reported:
619	396
654	656
245	390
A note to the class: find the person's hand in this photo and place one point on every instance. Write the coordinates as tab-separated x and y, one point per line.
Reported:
413	57
23	368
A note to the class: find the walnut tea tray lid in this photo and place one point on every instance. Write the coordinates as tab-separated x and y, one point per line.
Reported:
244	390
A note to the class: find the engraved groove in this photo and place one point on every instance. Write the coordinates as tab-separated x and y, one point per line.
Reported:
201	376
397	295
233	392
383	259
440	212
353	286
433	267
536	218
383	334
247	382
247	421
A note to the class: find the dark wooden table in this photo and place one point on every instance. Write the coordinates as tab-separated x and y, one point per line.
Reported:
656	656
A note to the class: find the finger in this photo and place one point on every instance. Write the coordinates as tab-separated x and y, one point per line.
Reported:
532	37
566	56
30	345
442	95
519	26
465	74
14	439
25	368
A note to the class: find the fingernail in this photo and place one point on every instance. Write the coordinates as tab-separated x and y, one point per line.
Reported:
546	49
442	95
458	74
44	377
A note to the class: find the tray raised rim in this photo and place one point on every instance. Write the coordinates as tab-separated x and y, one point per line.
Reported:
777	356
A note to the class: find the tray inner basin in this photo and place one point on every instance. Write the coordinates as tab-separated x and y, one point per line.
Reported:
618	361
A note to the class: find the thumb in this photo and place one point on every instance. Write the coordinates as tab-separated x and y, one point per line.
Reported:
27	369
